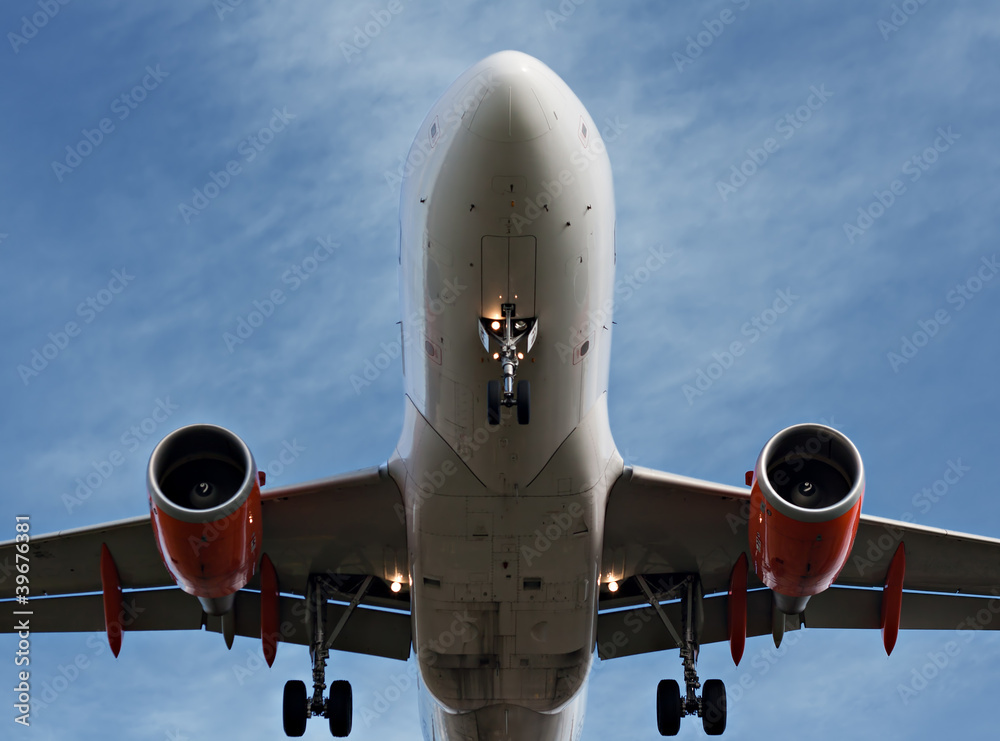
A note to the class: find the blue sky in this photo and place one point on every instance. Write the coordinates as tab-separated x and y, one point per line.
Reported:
853	109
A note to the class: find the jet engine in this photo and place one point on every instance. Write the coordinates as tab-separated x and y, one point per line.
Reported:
204	498
805	506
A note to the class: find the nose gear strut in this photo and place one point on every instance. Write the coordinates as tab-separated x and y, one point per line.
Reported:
507	333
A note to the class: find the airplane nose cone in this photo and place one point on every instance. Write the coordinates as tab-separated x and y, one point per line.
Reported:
512	110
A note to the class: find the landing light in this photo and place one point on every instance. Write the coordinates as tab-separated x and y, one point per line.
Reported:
520	356
395	587
495	326
612	586
496	356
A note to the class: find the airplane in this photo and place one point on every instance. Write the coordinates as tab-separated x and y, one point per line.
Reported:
505	541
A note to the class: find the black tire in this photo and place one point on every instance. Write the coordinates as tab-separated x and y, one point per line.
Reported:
668	707
493	402
713	707
293	708
340	708
523	402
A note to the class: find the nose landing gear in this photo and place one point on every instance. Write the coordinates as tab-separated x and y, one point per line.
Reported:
508	332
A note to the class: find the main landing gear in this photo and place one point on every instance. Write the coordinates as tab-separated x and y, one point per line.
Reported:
508	332
670	705
297	707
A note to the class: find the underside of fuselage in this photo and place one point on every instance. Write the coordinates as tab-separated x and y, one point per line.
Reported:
502	721
507	219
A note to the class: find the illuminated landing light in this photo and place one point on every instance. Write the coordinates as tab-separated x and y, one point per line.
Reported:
496	356
495	325
612	586
520	356
395	587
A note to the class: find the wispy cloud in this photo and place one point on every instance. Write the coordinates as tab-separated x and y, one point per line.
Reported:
324	177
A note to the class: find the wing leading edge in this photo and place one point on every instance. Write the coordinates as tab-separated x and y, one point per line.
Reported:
662	526
345	528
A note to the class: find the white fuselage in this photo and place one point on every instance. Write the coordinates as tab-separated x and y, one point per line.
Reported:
507	199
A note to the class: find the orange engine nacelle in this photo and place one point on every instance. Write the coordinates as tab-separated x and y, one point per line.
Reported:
204	498
804	511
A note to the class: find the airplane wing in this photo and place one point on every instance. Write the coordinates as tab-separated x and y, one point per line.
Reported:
663	527
346	527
